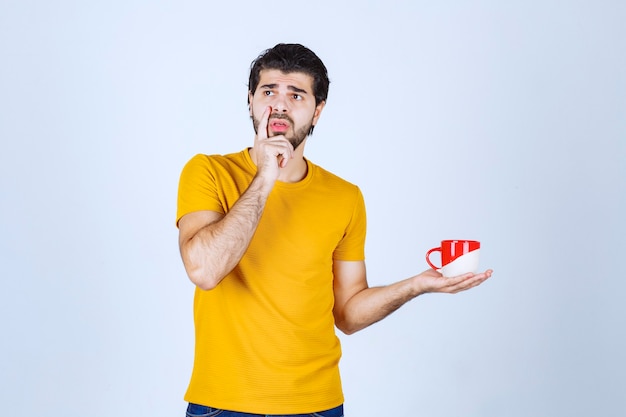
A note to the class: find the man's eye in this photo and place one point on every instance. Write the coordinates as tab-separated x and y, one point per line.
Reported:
267	92
297	97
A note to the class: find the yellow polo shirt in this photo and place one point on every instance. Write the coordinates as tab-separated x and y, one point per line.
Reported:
265	336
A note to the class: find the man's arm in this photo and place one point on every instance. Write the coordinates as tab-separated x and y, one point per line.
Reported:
358	306
212	244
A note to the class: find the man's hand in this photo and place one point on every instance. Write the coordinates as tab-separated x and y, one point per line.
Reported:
271	152
358	306
433	281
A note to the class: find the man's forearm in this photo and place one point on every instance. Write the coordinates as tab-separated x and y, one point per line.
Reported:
374	304
369	305
217	248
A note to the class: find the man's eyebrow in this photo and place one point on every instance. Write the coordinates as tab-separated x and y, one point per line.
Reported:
290	87
297	90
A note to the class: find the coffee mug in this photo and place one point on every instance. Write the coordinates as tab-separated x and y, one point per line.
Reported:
457	257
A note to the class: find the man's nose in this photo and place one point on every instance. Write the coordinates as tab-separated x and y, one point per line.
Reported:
280	104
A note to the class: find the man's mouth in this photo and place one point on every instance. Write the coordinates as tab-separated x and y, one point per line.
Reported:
279	125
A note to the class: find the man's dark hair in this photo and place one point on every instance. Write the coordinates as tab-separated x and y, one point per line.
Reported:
291	57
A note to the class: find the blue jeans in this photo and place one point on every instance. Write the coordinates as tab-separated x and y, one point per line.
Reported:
196	410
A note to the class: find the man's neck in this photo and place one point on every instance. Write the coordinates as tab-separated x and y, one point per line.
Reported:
296	168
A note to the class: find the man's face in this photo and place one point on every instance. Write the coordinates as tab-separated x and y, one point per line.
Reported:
292	101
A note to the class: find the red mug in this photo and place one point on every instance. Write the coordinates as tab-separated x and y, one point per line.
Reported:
457	257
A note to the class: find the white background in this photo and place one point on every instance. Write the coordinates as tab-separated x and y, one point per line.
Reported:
498	121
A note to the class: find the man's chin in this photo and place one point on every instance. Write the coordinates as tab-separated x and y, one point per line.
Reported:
295	142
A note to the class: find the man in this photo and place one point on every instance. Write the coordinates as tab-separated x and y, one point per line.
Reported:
275	247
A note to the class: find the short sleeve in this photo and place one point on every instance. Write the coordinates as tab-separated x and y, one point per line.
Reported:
352	246
197	189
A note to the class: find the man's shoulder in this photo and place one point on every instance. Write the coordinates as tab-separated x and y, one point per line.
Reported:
330	176
208	158
332	180
219	160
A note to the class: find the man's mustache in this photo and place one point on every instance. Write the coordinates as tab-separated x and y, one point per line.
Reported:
281	116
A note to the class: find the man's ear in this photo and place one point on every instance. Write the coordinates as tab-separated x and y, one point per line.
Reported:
318	112
250	96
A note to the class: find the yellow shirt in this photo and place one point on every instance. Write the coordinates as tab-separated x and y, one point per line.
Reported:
265	336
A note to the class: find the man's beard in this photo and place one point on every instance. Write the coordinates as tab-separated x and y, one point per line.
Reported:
298	136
